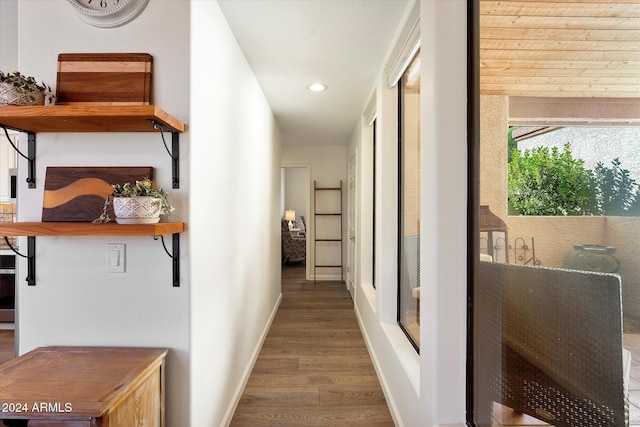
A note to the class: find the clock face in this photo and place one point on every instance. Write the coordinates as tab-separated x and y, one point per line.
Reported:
107	13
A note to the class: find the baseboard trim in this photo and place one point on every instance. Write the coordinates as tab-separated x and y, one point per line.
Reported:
327	277
386	390
228	416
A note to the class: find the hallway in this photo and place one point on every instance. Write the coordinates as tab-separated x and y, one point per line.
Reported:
314	368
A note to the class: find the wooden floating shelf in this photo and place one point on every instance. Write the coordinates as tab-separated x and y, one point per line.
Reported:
34	229
15	229
87	118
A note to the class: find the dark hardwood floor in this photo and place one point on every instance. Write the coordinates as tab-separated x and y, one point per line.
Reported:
6	350
314	368
6	345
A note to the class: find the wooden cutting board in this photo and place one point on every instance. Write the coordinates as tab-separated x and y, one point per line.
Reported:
104	78
78	193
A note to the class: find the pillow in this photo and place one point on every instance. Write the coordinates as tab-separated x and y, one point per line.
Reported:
299	224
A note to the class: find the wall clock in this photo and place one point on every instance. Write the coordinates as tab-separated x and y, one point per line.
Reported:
107	13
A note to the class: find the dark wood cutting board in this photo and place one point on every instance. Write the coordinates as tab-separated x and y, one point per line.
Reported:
104	78
78	193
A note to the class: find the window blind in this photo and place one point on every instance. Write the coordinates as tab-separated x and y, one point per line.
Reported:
408	45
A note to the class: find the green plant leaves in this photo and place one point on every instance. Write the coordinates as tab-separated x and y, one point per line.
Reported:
544	181
549	182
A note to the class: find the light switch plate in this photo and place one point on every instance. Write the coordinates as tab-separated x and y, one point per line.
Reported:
115	257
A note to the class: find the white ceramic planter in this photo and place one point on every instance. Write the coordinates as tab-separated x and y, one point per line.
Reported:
137	210
10	95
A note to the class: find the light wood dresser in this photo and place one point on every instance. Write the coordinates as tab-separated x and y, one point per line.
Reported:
85	387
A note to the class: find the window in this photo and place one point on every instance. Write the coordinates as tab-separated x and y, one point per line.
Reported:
409	202
373	207
529	356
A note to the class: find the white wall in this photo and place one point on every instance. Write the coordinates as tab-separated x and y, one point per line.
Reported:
593	145
213	324
234	223
425	389
444	209
8	63
327	166
8	36
296	187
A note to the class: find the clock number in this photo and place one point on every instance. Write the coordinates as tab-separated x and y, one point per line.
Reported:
103	3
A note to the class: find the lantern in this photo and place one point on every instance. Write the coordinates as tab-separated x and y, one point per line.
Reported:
493	236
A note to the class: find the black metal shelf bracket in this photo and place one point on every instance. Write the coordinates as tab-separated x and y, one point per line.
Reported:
31	154
174	255
174	153
31	258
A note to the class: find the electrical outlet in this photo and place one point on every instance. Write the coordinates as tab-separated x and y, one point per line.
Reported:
115	257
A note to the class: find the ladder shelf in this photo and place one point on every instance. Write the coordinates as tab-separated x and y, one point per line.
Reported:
319	213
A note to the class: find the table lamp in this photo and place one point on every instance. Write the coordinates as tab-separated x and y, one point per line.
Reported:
290	215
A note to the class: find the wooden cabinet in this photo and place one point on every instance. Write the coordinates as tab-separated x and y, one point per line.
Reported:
85	387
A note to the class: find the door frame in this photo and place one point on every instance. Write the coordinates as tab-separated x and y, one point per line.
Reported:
352	225
309	219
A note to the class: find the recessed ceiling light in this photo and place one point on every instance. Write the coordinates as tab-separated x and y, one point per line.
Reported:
317	87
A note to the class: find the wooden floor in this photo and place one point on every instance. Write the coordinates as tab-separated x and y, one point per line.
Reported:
314	368
6	345
6	350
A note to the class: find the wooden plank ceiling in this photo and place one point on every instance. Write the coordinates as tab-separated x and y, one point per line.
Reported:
571	48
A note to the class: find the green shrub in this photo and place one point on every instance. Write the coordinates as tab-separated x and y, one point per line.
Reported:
549	182
615	191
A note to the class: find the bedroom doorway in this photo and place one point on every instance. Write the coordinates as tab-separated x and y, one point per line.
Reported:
295	208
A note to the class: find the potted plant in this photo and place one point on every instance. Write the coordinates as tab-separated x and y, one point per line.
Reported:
16	89
137	203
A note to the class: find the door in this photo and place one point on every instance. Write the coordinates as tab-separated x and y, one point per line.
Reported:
351	225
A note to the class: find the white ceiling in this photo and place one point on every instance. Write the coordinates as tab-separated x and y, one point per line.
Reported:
290	44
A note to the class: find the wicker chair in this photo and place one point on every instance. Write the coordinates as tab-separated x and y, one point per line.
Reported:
294	247
551	344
